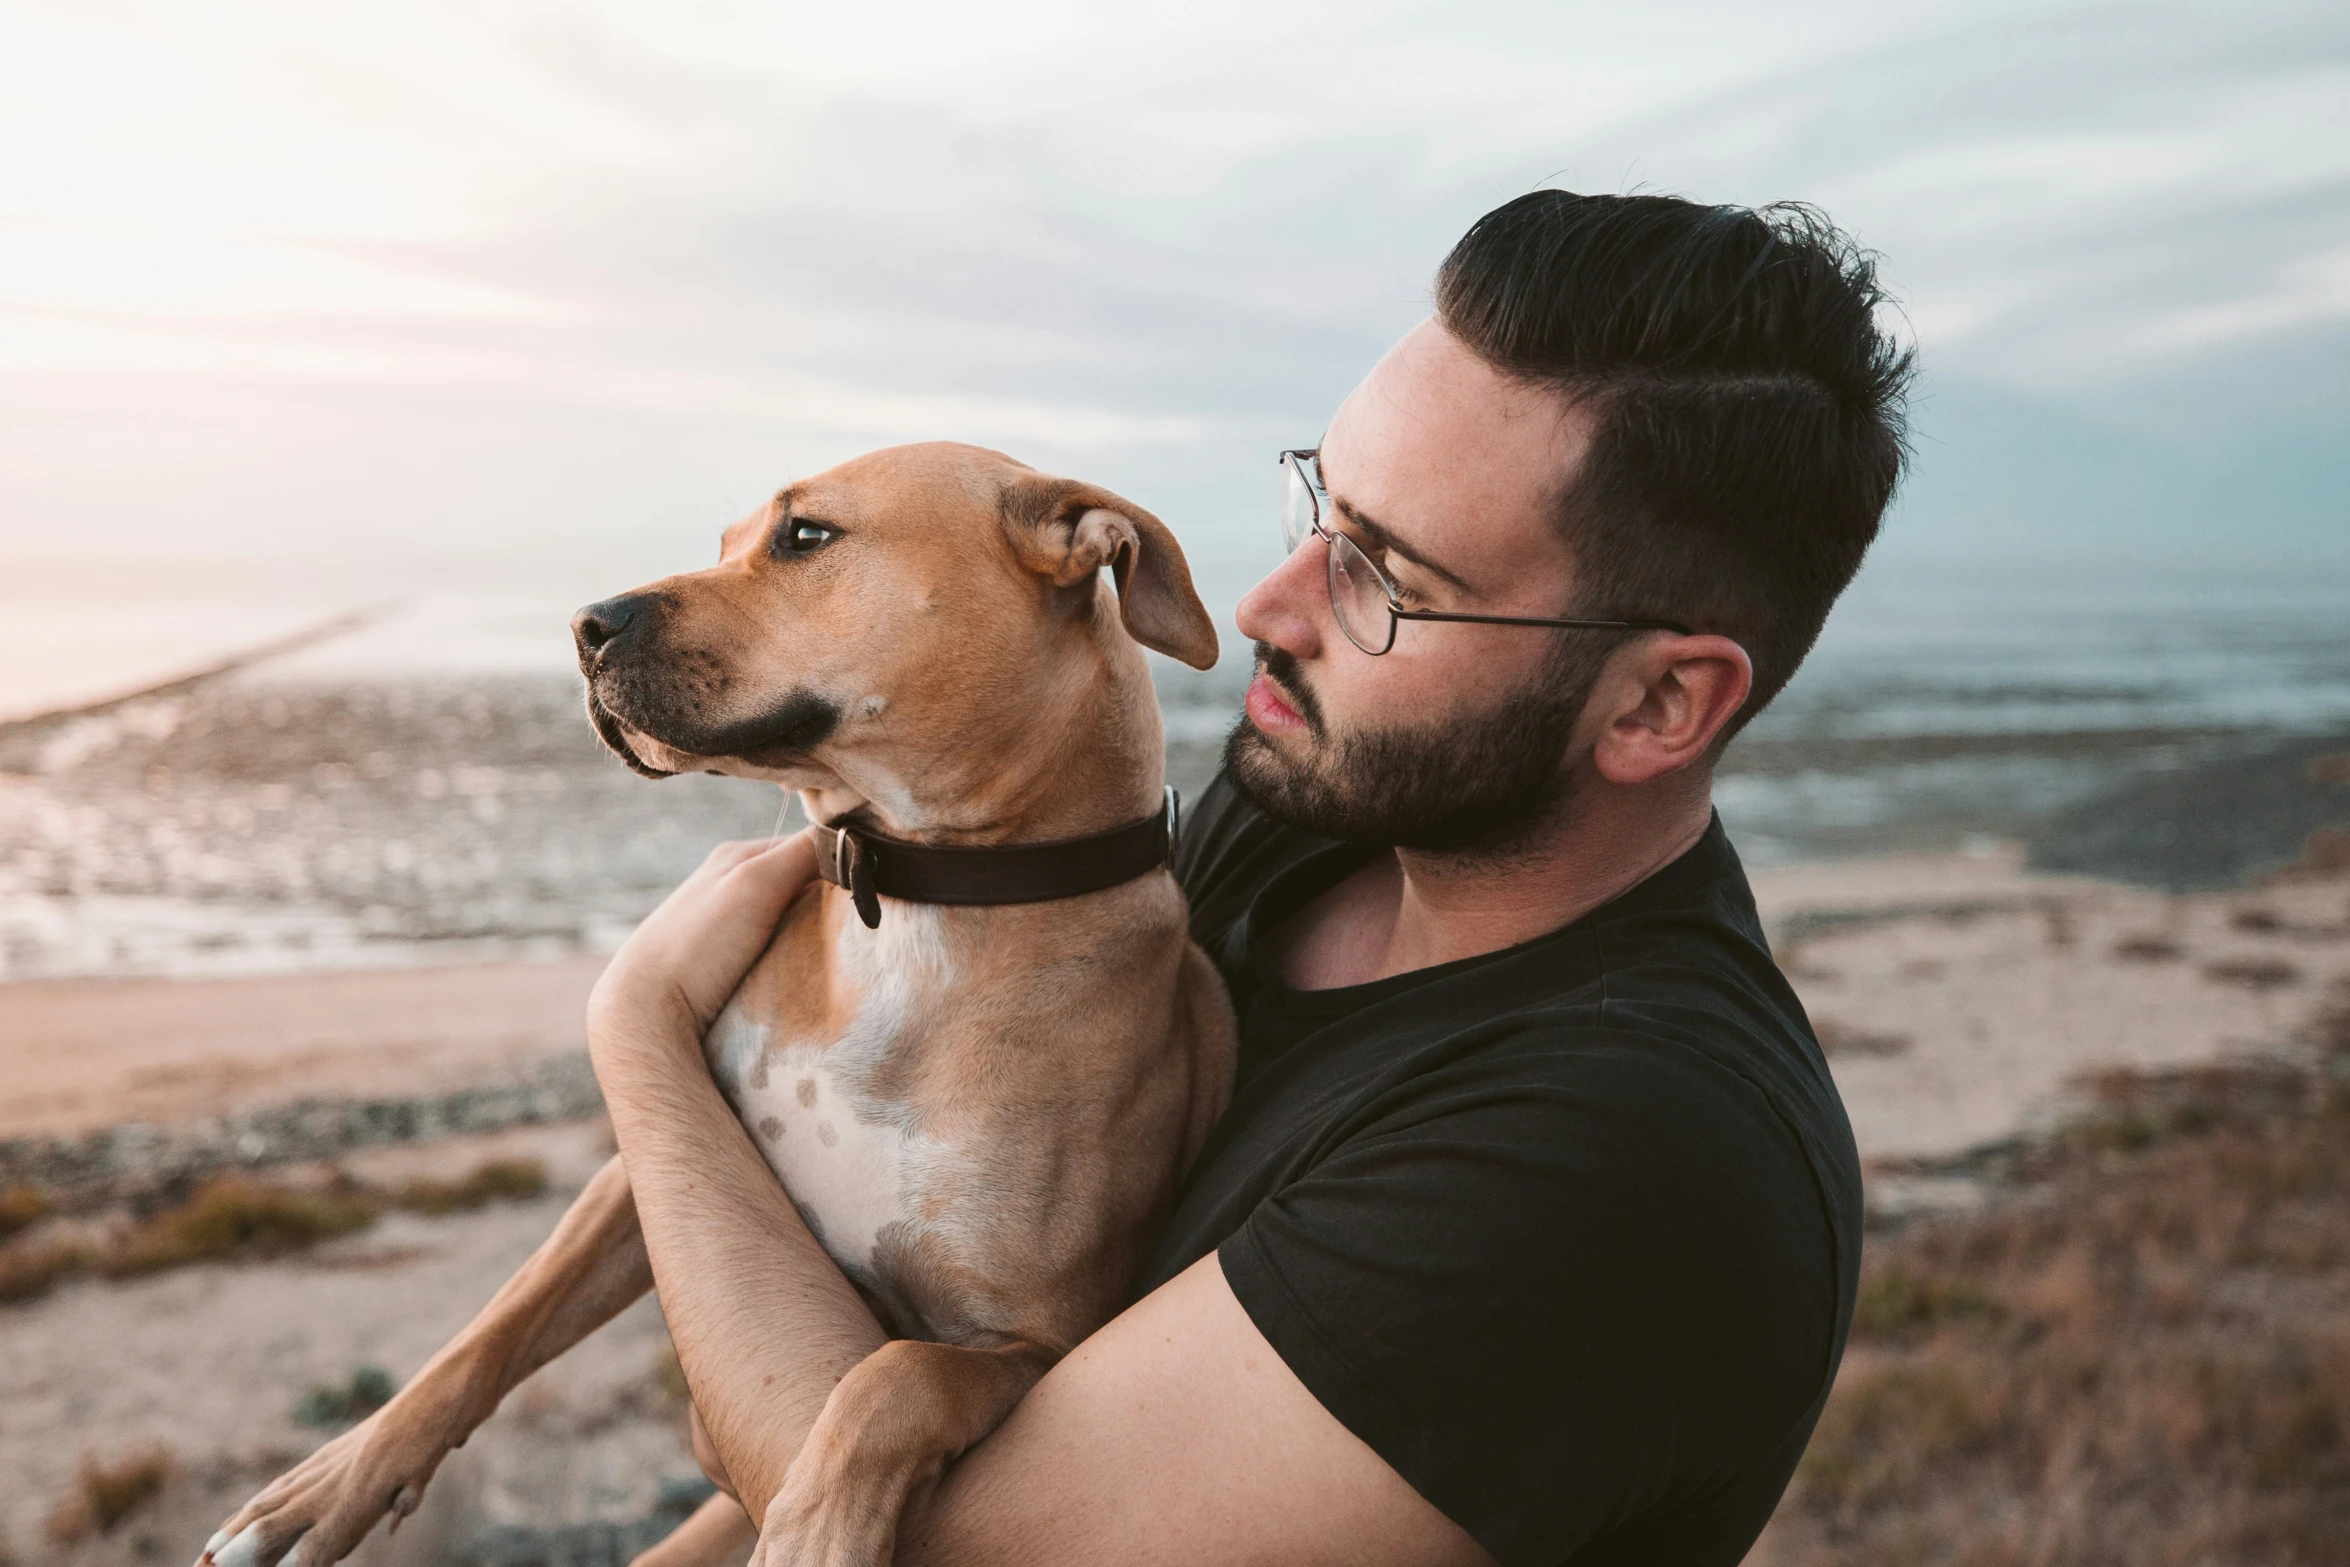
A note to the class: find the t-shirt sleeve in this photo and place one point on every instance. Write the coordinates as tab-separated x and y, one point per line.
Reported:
1551	1284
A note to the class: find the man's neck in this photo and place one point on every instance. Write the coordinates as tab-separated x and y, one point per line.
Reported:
1409	910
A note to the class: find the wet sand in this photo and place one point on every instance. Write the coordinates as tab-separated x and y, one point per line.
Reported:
80	1055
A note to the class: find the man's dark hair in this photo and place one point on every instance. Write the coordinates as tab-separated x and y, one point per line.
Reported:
1749	408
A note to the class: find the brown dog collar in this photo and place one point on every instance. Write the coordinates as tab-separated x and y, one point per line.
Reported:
869	867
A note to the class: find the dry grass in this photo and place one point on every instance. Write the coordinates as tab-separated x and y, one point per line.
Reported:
235	1216
28	1269
104	1494
501	1180
2324	855
21	1207
1839	1040
2253	973
239	1217
668	1374
2141	1358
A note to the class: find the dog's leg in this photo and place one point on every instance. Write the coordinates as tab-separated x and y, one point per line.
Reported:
888	1431
717	1535
592	1267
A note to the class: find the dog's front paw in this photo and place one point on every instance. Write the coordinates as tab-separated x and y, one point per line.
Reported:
811	1525
317	1511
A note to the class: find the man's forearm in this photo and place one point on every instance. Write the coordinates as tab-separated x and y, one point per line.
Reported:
765	1323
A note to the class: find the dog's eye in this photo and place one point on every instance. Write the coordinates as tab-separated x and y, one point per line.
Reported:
799	538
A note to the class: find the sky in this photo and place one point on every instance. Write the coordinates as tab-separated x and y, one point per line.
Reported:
443	288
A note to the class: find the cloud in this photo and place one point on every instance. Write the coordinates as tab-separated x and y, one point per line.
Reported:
1148	243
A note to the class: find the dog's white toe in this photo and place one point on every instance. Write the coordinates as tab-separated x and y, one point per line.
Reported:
243	1551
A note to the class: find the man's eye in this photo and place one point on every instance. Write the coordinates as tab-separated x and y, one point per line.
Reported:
1386	564
799	538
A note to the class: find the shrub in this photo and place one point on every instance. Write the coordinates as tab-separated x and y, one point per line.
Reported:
668	1374
2253	973
326	1406
28	1272
21	1207
1838	1040
500	1180
104	1494
237	1216
1888	1427
2139	1358
1897	1301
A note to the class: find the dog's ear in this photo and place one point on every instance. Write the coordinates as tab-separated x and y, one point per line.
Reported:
1066	532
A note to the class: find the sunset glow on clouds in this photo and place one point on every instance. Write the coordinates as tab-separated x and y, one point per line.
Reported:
458	278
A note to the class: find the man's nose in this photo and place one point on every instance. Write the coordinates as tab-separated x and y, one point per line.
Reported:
601	626
1289	606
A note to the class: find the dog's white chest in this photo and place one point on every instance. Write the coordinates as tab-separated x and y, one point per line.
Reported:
856	1166
852	1175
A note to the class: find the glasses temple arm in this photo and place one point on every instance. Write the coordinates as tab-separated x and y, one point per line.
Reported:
1401	613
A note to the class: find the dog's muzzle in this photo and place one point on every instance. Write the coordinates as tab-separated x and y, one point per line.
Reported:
608	729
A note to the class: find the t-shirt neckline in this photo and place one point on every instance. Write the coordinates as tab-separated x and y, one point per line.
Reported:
1318	872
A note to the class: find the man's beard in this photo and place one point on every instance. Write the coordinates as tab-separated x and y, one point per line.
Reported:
1476	783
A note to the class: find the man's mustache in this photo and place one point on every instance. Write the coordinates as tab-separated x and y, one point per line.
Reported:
1280	666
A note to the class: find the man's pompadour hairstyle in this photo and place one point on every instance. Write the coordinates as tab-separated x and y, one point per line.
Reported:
1750	408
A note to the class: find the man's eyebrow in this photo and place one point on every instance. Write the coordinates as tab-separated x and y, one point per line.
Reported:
1379	534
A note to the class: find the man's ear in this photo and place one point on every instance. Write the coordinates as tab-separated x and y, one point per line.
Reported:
1066	532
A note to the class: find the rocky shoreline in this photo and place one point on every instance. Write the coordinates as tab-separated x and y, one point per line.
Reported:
139	1161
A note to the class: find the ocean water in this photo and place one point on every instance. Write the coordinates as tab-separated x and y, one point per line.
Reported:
1948	703
426	789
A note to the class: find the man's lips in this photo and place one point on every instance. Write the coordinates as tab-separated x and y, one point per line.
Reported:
1269	710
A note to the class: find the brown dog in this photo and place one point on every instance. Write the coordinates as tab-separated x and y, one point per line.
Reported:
982	1112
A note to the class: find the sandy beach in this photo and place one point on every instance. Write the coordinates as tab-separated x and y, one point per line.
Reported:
395	394
1956	993
209	1364
1959	996
79	1055
1962	999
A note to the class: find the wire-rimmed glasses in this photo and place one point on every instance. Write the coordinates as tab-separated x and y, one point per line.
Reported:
1362	600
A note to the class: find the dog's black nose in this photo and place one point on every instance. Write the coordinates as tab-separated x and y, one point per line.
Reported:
598	626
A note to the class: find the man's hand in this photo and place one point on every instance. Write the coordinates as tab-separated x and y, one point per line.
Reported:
668	981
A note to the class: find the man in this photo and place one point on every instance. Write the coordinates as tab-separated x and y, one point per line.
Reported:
1531	1233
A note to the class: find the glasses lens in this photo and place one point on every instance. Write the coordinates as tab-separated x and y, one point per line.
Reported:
1358	597
1297	503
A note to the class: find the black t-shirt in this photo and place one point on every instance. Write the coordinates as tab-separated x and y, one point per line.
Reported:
1567	1233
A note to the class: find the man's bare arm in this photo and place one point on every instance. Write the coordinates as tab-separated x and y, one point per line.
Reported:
1176	1434
1173	1434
